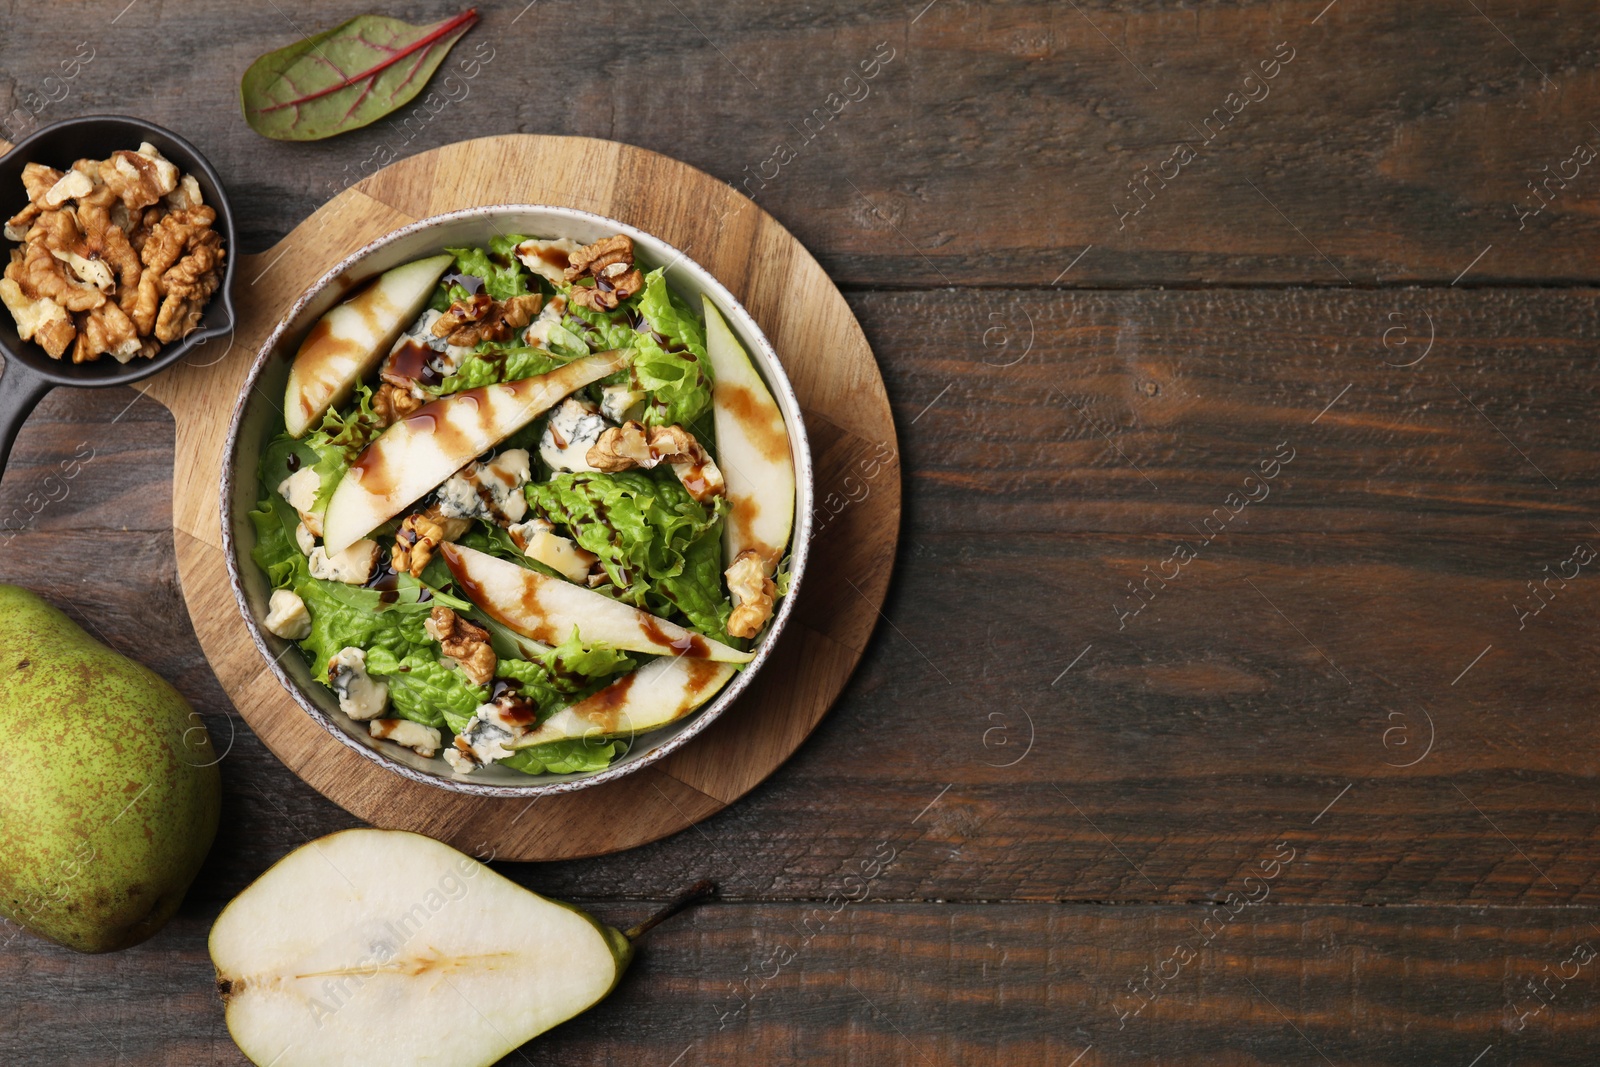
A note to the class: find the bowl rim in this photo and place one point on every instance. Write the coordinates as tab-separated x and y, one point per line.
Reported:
698	720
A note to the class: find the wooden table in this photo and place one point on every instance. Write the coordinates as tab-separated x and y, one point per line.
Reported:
1233	700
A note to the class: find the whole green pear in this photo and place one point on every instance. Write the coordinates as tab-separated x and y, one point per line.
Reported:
109	788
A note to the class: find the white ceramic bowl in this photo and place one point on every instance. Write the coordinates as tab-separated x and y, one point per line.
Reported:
258	418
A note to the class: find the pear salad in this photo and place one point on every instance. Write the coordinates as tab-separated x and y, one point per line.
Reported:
527	504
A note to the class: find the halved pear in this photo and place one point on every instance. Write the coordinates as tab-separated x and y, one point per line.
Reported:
548	610
420	451
752	449
349	341
661	692
381	947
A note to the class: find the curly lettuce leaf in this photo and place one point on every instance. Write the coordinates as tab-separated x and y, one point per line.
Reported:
661	550
671	363
329	449
339	617
667	313
602	331
347	433
565	674
502	272
493	365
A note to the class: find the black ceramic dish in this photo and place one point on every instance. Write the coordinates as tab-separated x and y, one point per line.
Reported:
29	372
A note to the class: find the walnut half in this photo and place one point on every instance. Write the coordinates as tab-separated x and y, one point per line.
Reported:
463	642
392	404
419	534
609	262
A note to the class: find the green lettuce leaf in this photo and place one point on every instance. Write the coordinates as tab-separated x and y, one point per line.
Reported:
565	674
348	433
493	365
564	757
675	372
502	272
330	448
602	331
341	615
660	548
667	313
421	688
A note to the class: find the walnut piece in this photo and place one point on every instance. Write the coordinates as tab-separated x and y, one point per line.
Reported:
46	276
463	642
140	178
632	444
599	255
750	583
17	226
420	534
105	329
71	185
95	208
391	404
43	321
37	180
189	283
462	312
471	322
609	262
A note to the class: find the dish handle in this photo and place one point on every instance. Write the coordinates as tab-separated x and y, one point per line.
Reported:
20	392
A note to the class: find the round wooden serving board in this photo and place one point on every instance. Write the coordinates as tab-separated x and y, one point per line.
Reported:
847	417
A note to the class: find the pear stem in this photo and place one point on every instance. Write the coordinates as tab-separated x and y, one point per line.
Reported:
701	890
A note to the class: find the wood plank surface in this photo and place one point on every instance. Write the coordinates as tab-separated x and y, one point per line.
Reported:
1394	544
993	145
833	981
1349	669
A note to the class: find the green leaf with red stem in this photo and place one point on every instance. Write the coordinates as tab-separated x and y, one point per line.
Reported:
344	78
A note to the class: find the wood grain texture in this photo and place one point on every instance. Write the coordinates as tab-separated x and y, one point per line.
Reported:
983	168
835	379
1182	757
1207	726
908	985
995	145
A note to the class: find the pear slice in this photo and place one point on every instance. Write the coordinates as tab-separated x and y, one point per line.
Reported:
350	340
752	449
371	948
548	610
661	692
420	451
